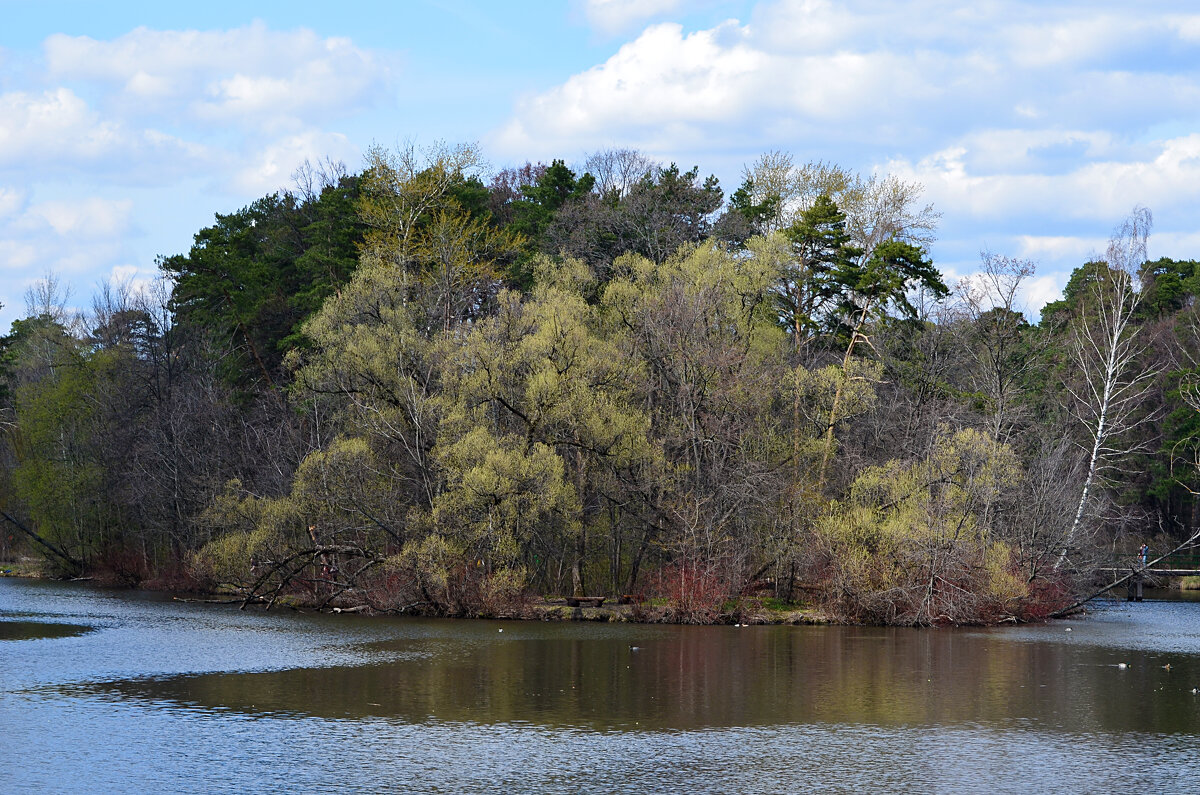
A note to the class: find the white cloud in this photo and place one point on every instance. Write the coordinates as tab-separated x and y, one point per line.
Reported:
1033	126
1188	26
17	255
1163	175
250	75
1041	290
123	273
878	75
73	238
1076	39
1035	150
29	121
12	200
57	130
806	26
1176	244
195	121
271	168
89	218
661	78
1058	247
614	16
1033	293
138	282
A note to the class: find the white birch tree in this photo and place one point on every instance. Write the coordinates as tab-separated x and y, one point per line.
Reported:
1107	351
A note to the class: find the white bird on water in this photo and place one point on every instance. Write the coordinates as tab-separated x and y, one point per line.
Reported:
1122	665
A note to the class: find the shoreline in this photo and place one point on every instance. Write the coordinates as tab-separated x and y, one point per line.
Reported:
744	611
539	608
533	608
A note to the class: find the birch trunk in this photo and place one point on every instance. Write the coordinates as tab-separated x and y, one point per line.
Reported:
1106	350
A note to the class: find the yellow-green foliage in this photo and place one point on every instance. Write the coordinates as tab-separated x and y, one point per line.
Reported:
338	496
57	471
727	298
441	255
342	493
1004	580
401	188
430	561
253	530
812	393
499	493
912	538
366	347
540	369
569	275
483	440
504	585
705	327
703	322
532	397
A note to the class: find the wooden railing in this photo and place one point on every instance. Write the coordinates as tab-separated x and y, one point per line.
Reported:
1132	560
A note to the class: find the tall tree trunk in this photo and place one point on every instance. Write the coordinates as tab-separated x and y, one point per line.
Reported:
838	392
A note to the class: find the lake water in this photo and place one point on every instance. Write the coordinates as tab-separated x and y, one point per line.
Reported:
116	691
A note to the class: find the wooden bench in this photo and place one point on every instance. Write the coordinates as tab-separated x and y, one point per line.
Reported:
585	601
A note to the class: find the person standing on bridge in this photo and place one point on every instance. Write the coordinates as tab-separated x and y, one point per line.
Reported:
1144	553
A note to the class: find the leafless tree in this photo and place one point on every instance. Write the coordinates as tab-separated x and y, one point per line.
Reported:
1000	349
312	178
618	170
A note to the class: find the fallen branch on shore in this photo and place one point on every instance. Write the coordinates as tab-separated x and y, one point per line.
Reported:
290	568
207	601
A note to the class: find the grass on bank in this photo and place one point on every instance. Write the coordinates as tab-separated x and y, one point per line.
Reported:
22	567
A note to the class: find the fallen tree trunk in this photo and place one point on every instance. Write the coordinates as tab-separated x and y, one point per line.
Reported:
75	567
1132	573
290	567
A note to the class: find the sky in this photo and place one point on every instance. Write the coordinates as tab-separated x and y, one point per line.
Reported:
1035	128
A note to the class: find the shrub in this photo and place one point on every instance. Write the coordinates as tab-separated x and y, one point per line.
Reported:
695	591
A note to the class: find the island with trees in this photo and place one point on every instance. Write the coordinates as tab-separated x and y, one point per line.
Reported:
430	388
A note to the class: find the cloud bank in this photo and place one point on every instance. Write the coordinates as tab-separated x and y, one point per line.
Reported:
1035	126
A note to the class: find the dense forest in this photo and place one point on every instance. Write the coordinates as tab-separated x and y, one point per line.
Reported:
430	388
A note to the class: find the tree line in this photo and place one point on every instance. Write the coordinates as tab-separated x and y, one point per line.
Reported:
426	387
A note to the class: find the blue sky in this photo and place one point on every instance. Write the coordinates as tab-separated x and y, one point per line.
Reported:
1034	127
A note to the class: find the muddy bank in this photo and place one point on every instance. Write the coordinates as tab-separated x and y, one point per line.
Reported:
559	610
